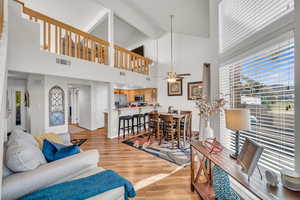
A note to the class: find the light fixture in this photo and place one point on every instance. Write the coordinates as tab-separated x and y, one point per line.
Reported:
237	120
172	75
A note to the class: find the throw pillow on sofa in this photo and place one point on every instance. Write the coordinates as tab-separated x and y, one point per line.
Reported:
53	151
23	157
20	137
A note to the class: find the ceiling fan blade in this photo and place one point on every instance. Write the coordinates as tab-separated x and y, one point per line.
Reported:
183	74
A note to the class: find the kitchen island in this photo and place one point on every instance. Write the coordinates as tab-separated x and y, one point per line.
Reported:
125	111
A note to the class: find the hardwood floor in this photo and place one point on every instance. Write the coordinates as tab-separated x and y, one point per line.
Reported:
153	178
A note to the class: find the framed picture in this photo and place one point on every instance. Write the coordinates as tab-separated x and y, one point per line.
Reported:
195	90
249	156
175	89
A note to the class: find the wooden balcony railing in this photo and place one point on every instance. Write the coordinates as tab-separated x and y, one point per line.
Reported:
64	39
1	16
125	59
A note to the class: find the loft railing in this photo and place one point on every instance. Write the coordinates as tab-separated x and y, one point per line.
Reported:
125	59
64	39
1	16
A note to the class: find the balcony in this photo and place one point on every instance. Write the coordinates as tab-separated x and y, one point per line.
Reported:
63	39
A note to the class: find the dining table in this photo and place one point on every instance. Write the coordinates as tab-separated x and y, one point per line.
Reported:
177	117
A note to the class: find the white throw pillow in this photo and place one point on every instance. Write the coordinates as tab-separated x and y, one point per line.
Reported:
20	137
5	171
23	157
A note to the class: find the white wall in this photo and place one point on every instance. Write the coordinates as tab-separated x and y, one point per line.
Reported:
99	104
190	53
36	110
24	44
85	107
3	81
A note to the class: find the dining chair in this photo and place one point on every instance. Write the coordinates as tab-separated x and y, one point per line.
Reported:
188	123
153	124
168	128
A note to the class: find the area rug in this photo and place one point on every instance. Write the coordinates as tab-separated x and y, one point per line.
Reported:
75	129
164	151
78	142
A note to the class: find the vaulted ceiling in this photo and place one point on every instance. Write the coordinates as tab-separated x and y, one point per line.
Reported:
191	16
136	19
77	13
124	34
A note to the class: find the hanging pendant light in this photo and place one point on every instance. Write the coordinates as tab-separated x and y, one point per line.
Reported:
172	75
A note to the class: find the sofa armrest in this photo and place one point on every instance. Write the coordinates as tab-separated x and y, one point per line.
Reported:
20	184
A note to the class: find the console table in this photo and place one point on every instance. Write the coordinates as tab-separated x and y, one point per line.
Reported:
202	162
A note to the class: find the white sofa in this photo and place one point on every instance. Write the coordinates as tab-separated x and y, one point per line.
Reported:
80	165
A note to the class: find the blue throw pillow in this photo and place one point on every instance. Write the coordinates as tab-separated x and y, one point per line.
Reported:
54	152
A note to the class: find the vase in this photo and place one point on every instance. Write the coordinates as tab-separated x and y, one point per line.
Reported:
208	132
202	124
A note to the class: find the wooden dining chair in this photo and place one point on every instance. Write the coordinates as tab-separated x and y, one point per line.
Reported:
187	124
168	129
154	122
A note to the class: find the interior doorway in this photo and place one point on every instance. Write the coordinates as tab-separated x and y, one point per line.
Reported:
73	105
16	107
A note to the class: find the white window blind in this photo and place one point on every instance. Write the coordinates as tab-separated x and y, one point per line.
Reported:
240	19
264	83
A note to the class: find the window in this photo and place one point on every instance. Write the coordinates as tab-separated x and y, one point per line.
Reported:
56	106
240	19
264	83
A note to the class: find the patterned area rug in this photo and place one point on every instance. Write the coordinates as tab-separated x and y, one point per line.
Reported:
164	151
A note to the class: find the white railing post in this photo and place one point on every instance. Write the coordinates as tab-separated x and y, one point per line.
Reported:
111	38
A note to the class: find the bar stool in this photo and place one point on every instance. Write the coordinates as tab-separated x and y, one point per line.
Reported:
137	118
126	126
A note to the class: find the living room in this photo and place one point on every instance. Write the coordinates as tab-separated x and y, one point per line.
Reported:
149	100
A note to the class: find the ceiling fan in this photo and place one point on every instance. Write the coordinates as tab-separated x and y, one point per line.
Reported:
172	76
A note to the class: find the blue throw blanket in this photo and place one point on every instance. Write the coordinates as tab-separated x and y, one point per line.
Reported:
84	188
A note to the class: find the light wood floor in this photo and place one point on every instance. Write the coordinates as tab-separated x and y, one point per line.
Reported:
153	178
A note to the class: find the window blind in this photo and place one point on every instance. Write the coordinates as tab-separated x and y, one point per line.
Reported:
264	83
240	19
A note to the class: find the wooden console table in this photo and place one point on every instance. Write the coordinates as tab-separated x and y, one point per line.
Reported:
202	160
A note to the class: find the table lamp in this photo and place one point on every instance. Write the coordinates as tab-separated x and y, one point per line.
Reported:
237	120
